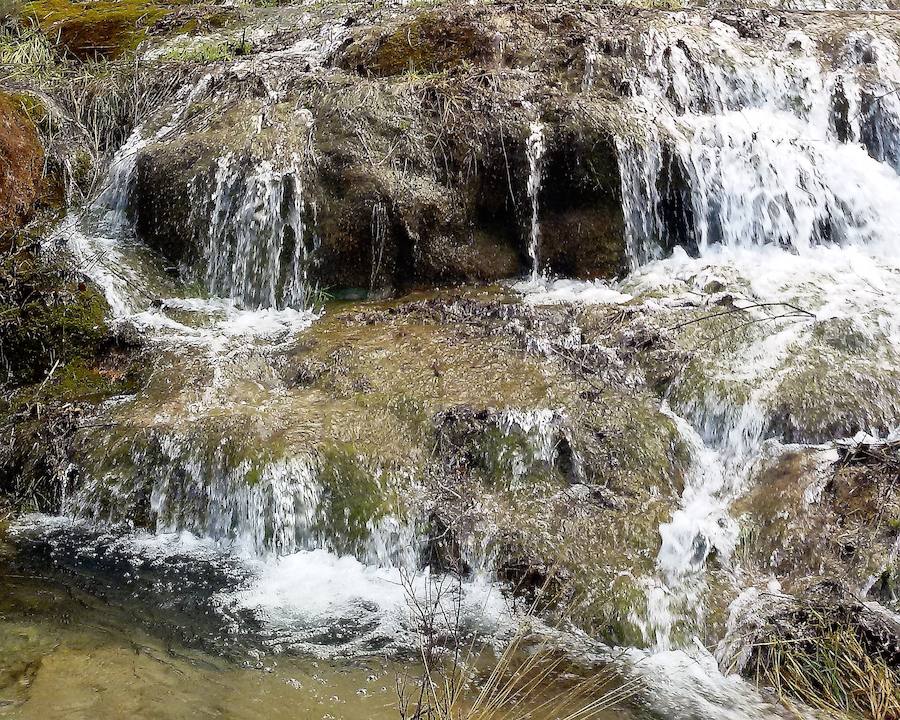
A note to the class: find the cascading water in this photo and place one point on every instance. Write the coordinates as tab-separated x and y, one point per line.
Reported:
102	241
114	199
741	150
771	149
380	232
778	173
213	488
258	246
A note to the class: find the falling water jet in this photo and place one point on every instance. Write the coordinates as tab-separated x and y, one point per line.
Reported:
258	245
535	149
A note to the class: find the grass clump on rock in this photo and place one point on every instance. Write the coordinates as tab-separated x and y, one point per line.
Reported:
830	671
831	653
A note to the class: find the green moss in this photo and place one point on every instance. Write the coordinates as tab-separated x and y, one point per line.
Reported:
33	106
54	328
430	43
353	497
206	51
77	381
609	610
699	384
97	28
504	459
825	393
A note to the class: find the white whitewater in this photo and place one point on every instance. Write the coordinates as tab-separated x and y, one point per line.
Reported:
774	149
781	176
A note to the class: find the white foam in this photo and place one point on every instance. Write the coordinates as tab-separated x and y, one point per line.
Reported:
545	291
687	684
306	597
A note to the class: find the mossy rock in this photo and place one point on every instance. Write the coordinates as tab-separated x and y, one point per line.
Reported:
803	520
97	29
827	393
429	43
354	498
21	163
53	326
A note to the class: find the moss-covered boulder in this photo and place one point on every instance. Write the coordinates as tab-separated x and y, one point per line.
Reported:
50	318
96	29
814	515
430	42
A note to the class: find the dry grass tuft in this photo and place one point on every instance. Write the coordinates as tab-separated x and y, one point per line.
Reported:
828	667
530	679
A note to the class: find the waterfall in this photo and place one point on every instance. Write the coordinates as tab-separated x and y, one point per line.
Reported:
640	167
256	244
258	247
380	230
535	149
100	240
228	490
590	64
764	148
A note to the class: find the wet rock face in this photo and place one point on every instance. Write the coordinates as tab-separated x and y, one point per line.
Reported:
582	225
162	201
21	164
410	139
384	229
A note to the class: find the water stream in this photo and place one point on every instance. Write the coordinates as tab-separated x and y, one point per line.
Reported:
781	182
763	173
